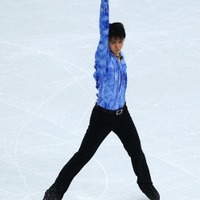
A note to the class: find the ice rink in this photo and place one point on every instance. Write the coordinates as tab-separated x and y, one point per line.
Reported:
47	92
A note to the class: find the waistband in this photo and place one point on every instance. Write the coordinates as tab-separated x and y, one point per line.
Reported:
115	112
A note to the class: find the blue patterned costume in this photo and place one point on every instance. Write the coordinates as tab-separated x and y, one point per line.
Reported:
110	74
111	79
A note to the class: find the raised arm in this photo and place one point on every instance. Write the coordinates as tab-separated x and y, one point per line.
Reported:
103	48
104	18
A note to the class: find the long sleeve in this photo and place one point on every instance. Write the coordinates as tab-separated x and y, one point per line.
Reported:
103	49
104	18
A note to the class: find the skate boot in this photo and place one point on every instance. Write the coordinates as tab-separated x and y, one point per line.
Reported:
150	191
53	194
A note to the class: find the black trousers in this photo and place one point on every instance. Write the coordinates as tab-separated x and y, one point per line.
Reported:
101	124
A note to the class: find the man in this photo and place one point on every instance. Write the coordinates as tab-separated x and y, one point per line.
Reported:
109	114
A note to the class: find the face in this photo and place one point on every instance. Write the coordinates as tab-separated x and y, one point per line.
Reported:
116	44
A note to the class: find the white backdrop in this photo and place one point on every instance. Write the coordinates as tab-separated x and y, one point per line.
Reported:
47	93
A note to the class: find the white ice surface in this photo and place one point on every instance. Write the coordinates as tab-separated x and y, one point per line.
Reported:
47	93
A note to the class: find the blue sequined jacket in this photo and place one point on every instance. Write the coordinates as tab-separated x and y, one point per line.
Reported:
110	74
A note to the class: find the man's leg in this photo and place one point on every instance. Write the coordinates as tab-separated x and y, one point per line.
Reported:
126	131
98	129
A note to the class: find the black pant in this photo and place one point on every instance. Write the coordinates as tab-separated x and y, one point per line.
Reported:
101	124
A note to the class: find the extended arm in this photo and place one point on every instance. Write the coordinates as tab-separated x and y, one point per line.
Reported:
104	18
103	49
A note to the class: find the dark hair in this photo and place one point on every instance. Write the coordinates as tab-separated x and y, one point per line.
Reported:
117	30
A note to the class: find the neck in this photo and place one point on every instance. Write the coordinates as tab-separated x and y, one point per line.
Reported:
119	57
